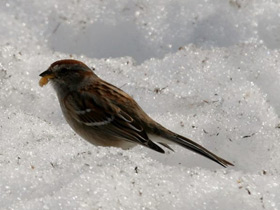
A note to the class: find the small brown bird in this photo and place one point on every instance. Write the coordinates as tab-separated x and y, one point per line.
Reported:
104	115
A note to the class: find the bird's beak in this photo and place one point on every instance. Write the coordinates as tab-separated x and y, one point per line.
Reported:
46	76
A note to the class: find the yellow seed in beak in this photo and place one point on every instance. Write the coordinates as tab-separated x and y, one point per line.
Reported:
44	80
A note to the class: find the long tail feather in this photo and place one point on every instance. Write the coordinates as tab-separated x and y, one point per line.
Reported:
191	145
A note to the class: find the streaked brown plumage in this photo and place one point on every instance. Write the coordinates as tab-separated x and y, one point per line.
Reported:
105	115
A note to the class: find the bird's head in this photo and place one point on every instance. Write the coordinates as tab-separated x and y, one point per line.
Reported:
64	72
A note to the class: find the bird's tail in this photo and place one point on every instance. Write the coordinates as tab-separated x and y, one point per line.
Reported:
191	145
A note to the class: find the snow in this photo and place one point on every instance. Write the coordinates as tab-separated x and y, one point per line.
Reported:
208	70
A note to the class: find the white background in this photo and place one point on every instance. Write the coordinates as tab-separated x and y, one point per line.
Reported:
206	69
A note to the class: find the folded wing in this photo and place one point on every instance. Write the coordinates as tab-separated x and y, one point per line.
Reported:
97	112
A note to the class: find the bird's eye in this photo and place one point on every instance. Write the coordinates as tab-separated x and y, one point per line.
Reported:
63	70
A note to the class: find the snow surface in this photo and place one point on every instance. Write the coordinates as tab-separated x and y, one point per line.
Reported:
206	69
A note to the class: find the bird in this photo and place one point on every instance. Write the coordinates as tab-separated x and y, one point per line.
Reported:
104	115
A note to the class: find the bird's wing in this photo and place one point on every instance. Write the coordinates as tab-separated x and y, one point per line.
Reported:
95	111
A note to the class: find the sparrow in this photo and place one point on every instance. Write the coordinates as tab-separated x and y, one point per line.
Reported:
105	115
